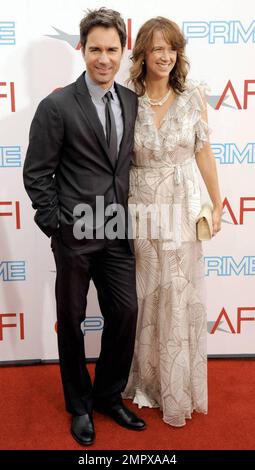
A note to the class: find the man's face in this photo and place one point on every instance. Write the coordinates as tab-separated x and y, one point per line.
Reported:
102	55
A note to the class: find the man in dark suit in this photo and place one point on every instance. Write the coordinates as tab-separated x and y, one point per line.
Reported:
81	142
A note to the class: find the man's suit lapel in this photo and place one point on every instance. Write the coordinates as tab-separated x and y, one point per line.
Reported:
126	120
90	112
83	97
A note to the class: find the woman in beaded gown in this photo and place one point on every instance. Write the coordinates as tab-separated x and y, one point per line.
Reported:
169	368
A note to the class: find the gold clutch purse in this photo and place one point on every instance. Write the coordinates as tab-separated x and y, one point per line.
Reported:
204	223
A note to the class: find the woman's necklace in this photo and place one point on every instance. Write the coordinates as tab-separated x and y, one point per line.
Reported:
160	101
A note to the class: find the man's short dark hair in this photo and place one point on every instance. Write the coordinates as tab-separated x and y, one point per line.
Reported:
107	19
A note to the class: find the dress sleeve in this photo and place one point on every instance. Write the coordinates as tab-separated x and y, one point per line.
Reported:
202	130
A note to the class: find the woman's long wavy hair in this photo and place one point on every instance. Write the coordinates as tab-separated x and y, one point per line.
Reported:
173	36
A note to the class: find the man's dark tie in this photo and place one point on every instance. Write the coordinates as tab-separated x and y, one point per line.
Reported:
111	133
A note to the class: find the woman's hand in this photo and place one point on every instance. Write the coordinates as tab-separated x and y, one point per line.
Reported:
216	218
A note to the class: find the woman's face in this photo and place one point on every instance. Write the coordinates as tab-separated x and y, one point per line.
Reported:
160	58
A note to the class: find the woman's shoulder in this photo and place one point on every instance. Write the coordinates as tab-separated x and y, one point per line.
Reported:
194	94
194	87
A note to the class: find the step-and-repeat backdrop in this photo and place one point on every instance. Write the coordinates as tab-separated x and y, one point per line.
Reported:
39	52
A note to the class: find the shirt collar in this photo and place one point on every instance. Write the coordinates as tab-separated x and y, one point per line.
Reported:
95	90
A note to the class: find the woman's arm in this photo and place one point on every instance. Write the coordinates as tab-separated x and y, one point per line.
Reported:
207	167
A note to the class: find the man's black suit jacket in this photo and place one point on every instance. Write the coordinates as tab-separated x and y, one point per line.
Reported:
68	160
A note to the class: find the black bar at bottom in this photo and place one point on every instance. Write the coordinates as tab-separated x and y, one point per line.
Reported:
111	458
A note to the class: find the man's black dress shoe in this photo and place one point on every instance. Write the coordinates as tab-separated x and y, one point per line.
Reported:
122	415
82	429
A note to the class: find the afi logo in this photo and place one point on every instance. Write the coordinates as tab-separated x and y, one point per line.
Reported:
9	94
244	206
223	316
74	40
18	323
241	103
15	206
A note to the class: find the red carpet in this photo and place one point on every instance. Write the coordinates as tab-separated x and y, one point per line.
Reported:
33	416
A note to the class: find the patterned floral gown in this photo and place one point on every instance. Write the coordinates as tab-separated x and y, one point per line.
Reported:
169	368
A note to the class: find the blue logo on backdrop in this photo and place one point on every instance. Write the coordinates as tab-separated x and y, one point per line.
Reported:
228	266
7	33
10	156
229	153
92	324
228	32
12	271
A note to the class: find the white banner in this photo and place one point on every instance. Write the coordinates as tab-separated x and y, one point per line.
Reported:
39	52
